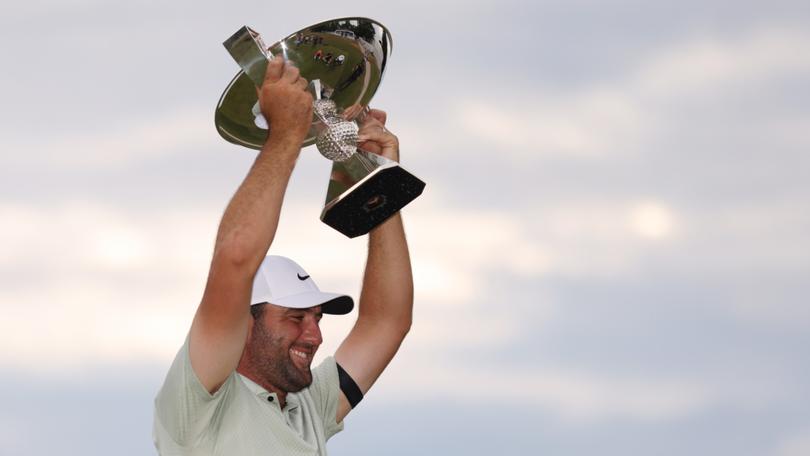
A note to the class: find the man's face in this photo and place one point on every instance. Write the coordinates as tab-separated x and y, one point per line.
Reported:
282	344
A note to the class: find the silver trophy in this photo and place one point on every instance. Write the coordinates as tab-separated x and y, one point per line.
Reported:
344	60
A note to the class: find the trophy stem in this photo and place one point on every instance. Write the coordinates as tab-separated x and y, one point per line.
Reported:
364	161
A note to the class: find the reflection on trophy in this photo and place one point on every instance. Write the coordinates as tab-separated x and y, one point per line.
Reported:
344	60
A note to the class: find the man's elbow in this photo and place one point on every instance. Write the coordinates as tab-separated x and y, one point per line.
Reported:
393	326
403	326
235	256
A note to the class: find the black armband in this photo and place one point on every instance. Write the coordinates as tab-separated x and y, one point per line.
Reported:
349	387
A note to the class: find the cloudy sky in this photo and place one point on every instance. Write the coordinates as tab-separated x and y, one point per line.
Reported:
612	253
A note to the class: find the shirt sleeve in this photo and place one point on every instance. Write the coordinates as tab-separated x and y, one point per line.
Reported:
325	391
184	409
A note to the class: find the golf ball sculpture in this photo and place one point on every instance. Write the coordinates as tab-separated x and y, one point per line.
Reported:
338	139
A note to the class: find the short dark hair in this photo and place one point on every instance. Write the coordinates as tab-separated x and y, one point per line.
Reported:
257	310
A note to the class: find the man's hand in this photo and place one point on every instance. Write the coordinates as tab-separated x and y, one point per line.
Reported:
373	136
285	101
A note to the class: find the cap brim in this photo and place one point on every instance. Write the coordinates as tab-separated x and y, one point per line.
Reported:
331	303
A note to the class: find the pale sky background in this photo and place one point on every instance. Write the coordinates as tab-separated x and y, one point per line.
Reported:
612	254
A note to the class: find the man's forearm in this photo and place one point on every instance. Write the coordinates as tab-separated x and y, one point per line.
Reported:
387	294
251	218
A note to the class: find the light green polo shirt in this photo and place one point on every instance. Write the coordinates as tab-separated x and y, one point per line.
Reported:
242	418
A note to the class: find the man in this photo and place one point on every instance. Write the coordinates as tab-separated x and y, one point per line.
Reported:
241	384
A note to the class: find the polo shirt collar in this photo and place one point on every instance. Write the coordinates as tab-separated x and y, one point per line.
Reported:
263	394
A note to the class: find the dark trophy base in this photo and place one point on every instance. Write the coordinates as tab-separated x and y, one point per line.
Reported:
368	203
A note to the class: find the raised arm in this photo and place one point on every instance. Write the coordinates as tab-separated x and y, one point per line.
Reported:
220	326
386	299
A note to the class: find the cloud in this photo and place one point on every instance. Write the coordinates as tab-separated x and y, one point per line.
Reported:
652	220
616	118
77	236
797	444
702	65
577	396
14	435
84	282
588	123
585	393
604	238
122	141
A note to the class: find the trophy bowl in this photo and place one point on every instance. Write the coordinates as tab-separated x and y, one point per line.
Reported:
347	55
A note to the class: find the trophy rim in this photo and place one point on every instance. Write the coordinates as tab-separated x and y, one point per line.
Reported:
347	18
228	136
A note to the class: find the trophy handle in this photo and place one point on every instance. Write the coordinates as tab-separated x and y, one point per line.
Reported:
250	52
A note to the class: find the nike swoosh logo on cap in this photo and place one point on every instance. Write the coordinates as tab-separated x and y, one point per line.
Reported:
302	278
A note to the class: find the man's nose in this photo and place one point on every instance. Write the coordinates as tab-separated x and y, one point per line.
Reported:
312	332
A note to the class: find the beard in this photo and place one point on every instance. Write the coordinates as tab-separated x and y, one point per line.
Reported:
270	356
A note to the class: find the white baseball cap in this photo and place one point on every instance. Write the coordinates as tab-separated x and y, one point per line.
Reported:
281	281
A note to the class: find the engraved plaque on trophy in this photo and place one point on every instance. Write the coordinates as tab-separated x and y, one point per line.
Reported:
344	60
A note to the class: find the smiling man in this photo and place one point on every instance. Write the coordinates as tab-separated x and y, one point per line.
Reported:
242	383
